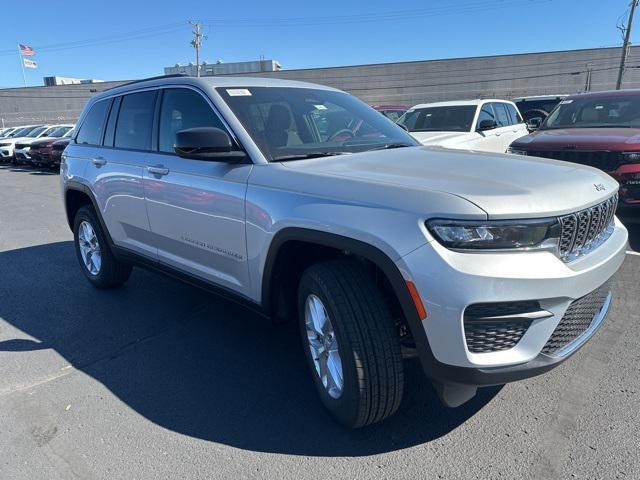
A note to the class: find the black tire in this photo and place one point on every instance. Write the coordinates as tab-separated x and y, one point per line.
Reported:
112	273
368	342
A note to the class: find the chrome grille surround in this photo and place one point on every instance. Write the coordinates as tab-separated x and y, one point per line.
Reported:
584	231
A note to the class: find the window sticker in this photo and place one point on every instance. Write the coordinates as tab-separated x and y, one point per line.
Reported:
566	102
238	92
320	107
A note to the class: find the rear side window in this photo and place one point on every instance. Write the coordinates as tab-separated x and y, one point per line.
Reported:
182	109
513	112
502	116
135	121
90	132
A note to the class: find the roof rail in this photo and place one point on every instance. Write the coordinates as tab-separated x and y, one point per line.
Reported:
173	75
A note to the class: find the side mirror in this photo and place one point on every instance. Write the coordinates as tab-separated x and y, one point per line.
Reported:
534	123
207	143
487	125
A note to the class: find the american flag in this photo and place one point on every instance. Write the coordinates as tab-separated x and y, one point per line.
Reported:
26	50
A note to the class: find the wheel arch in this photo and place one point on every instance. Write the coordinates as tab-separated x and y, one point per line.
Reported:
76	195
276	266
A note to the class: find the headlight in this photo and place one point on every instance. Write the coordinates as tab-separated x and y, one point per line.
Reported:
543	234
517	151
631	157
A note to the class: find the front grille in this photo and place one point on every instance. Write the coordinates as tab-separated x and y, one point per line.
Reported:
577	319
585	230
496	335
21	145
607	161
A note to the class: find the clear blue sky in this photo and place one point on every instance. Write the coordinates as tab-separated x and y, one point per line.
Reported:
77	38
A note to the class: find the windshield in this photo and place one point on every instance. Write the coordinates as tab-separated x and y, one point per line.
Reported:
58	132
21	132
439	119
588	112
289	123
35	132
69	133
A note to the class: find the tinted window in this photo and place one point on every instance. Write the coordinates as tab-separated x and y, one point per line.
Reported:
135	121
503	118
457	118
486	114
590	111
513	113
93	125
181	109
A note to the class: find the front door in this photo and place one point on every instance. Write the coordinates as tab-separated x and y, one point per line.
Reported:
196	208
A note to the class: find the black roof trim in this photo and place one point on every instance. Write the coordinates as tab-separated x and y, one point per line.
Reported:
159	77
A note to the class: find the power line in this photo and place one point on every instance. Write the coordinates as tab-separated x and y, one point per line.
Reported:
468	7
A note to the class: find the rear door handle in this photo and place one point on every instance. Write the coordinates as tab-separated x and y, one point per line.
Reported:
158	170
99	161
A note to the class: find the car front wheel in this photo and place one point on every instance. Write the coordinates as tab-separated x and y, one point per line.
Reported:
351	343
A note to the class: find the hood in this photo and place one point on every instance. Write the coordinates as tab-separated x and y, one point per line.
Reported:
611	139
13	141
504	186
439	138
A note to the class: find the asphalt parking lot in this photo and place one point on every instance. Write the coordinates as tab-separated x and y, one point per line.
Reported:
161	380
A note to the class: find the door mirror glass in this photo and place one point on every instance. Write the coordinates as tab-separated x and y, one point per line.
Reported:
487	125
206	143
534	123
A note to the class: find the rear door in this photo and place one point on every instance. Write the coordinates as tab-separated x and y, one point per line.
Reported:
196	208
505	131
115	169
519	126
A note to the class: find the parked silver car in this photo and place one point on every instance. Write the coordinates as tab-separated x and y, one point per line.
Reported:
307	204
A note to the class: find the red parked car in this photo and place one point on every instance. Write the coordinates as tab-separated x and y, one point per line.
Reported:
47	152
601	130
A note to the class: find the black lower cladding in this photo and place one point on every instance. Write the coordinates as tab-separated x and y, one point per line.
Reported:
577	319
494	335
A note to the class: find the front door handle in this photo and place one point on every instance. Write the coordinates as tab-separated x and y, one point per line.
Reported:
99	161
158	170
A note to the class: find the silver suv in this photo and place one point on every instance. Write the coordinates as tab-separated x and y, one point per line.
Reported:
307	204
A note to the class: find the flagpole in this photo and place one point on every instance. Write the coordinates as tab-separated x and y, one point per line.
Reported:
24	76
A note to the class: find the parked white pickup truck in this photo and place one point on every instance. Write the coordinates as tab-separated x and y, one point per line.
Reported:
483	125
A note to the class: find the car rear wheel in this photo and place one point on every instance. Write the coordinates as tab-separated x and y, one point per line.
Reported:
96	260
350	342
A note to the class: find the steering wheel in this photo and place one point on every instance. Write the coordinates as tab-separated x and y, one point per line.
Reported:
344	131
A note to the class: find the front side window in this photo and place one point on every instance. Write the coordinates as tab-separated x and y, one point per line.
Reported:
457	118
58	132
486	113
135	121
90	132
613	111
36	132
182	109
289	123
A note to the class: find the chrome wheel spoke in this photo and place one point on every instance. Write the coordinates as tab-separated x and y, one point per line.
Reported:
323	346
89	248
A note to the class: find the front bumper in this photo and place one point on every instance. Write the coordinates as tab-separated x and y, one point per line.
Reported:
22	155
448	282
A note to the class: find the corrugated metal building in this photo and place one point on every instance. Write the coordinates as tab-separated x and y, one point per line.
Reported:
502	76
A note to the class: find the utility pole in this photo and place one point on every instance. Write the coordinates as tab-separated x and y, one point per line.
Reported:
625	45
197	43
587	86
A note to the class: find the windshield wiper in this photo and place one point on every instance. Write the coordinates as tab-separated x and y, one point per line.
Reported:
388	146
304	156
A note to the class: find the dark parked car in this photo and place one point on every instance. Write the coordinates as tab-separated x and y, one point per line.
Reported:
539	106
57	148
42	150
601	130
392	112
